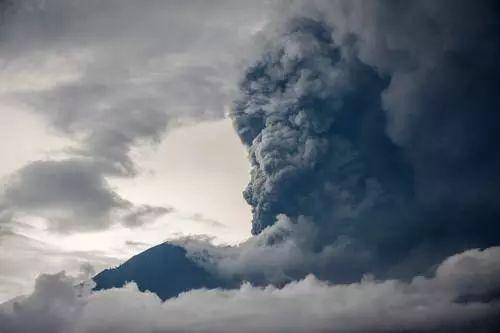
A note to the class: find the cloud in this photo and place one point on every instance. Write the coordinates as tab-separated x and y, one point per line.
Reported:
378	122
300	111
199	218
22	258
134	75
439	103
286	251
72	195
371	131
144	214
116	75
137	244
422	304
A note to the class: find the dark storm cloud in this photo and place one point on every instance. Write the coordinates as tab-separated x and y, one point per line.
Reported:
379	122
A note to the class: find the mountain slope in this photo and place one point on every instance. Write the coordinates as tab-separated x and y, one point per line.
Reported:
162	269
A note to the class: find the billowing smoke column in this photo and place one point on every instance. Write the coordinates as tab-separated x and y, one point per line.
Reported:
384	134
301	112
311	114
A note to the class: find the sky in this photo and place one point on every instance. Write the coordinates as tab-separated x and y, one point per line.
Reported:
328	166
67	70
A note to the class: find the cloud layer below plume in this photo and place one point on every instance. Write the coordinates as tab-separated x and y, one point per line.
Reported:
306	305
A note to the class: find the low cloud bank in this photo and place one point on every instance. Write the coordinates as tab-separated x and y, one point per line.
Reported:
422	304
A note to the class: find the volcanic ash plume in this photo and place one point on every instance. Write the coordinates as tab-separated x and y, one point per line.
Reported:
383	142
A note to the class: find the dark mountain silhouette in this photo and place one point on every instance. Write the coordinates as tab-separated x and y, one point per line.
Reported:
162	269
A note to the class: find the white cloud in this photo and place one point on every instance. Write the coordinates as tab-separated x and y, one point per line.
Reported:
306	305
22	258
114	76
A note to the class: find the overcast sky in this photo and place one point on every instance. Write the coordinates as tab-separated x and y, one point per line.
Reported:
321	165
114	130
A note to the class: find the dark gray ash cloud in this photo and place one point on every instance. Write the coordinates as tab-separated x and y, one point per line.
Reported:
378	121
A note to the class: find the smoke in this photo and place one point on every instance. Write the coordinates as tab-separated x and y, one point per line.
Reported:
282	253
290	101
378	122
335	191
